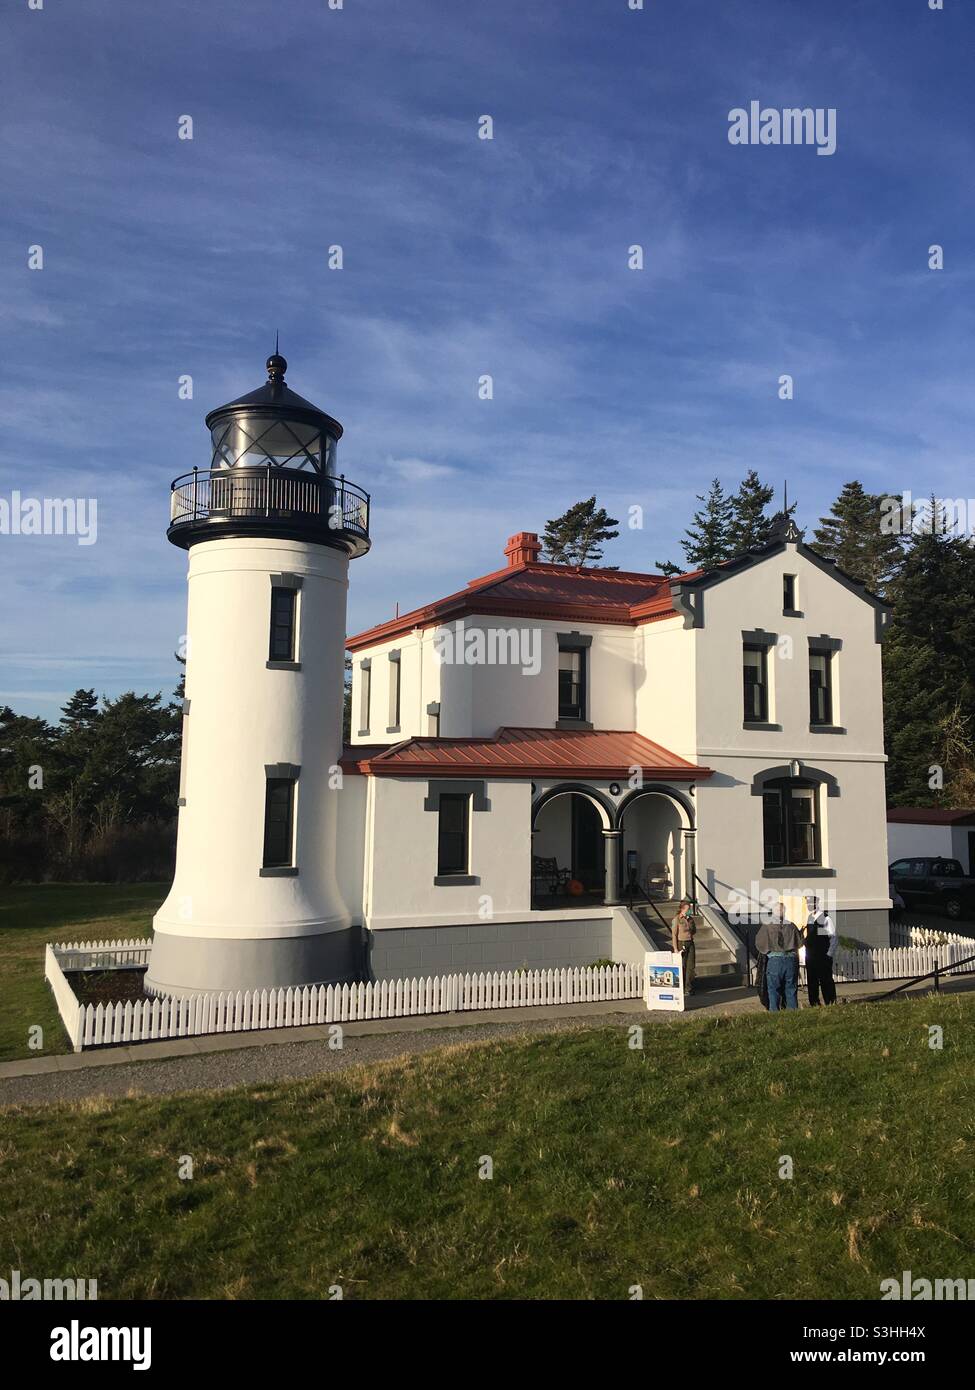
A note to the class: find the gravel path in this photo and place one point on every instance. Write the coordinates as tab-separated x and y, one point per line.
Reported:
277	1062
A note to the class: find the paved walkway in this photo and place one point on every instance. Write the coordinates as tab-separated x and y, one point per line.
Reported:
240	1059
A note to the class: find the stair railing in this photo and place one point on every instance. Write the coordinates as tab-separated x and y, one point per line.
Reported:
734	927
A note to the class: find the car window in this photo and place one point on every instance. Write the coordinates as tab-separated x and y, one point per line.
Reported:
946	868
919	867
903	866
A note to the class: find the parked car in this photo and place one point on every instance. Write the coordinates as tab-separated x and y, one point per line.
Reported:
934	883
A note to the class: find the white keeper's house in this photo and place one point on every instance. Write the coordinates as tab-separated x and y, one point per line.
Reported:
528	754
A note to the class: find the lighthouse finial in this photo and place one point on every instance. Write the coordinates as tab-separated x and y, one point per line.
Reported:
276	364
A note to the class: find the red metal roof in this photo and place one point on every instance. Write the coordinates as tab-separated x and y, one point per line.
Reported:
927	815
537	590
595	753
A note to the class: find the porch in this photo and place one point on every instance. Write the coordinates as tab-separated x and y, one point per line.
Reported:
597	847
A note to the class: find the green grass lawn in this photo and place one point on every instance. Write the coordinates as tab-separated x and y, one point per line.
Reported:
30	916
612	1167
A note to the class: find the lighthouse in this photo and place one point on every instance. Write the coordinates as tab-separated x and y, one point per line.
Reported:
270	527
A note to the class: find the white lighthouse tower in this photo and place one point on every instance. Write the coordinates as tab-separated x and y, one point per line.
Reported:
270	529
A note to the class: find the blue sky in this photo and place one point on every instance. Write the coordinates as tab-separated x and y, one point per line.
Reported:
358	127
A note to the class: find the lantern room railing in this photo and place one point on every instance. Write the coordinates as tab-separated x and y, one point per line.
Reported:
242	498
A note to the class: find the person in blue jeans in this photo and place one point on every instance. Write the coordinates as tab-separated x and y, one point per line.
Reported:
779	941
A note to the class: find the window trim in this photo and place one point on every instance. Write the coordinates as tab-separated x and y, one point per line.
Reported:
285	583
784	789
445	876
184	753
749	719
365	695
479	801
828	647
579	642
395	703
790	610
277	773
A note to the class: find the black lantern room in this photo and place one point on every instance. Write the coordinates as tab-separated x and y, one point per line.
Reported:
272	473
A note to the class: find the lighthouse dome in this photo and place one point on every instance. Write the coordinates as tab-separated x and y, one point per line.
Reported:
272	473
273	426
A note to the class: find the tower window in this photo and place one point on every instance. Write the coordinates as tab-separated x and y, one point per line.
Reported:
279	822
284	605
453	840
789	594
755	680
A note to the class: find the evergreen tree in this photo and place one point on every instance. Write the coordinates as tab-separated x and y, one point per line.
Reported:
708	540
80	711
929	667
859	536
749	524
577	536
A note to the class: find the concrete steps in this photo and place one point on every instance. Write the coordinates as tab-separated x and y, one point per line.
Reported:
715	964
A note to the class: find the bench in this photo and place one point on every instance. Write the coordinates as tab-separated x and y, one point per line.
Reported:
547	871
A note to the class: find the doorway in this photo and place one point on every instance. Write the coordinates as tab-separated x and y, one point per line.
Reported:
588	846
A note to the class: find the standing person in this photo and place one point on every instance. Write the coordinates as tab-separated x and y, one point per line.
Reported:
821	947
682	930
779	940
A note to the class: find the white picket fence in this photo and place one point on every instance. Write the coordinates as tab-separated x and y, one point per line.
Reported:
246	1010
901	962
102	955
909	934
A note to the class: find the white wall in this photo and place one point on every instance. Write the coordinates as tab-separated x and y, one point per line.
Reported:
667	685
403	862
752	600
905	841
244	716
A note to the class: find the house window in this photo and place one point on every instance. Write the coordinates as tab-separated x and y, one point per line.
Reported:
283	608
395	687
790	817
820	687
279	821
755	677
788	593
453	839
572	683
365	695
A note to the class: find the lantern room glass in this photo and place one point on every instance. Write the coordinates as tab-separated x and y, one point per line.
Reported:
257	441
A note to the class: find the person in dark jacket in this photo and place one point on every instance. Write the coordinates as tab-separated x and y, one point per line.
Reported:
779	941
821	945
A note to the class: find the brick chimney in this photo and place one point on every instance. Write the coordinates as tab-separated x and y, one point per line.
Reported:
522	549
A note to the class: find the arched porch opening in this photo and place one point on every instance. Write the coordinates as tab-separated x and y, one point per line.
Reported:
658	834
570	829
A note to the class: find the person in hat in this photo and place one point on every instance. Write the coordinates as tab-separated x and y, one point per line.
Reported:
821	946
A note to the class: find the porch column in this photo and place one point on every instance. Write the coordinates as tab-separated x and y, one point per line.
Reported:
611	892
690	865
